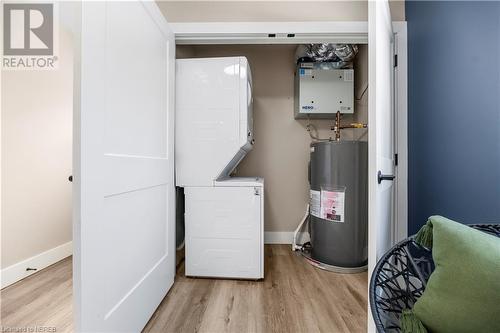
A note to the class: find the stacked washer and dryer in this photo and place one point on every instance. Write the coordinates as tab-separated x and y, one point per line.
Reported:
224	215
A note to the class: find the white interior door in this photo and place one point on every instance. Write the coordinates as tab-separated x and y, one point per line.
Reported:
381	129
124	172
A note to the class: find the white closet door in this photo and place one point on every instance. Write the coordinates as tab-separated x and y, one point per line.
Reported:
381	130
125	216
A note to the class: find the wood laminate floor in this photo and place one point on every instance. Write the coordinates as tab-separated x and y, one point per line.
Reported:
44	299
293	297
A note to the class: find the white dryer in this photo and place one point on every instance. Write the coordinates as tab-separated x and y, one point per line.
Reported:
214	131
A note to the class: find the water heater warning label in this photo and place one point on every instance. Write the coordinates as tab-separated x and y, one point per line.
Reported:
315	203
332	205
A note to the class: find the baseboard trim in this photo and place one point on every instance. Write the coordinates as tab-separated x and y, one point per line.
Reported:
16	272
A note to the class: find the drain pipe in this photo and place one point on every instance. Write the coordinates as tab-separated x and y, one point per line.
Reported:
295	246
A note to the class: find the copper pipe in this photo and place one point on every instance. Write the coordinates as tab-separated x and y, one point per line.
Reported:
339	127
354	125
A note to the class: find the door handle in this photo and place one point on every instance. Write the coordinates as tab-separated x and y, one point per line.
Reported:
70	178
381	177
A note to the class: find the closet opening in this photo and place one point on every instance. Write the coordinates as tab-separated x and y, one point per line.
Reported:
310	131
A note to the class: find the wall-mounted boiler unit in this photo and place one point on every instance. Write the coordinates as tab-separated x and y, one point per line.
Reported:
321	90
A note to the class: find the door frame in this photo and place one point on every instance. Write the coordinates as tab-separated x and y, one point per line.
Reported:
400	229
206	33
210	33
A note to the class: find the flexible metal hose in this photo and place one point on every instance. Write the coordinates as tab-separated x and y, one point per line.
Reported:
315	137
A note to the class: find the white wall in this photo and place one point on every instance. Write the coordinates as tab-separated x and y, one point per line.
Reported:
36	159
224	11
281	150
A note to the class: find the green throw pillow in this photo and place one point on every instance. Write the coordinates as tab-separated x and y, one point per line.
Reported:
463	292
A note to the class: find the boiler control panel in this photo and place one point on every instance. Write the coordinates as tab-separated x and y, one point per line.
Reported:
321	90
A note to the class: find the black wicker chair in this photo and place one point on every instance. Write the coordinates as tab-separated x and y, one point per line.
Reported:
400	277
